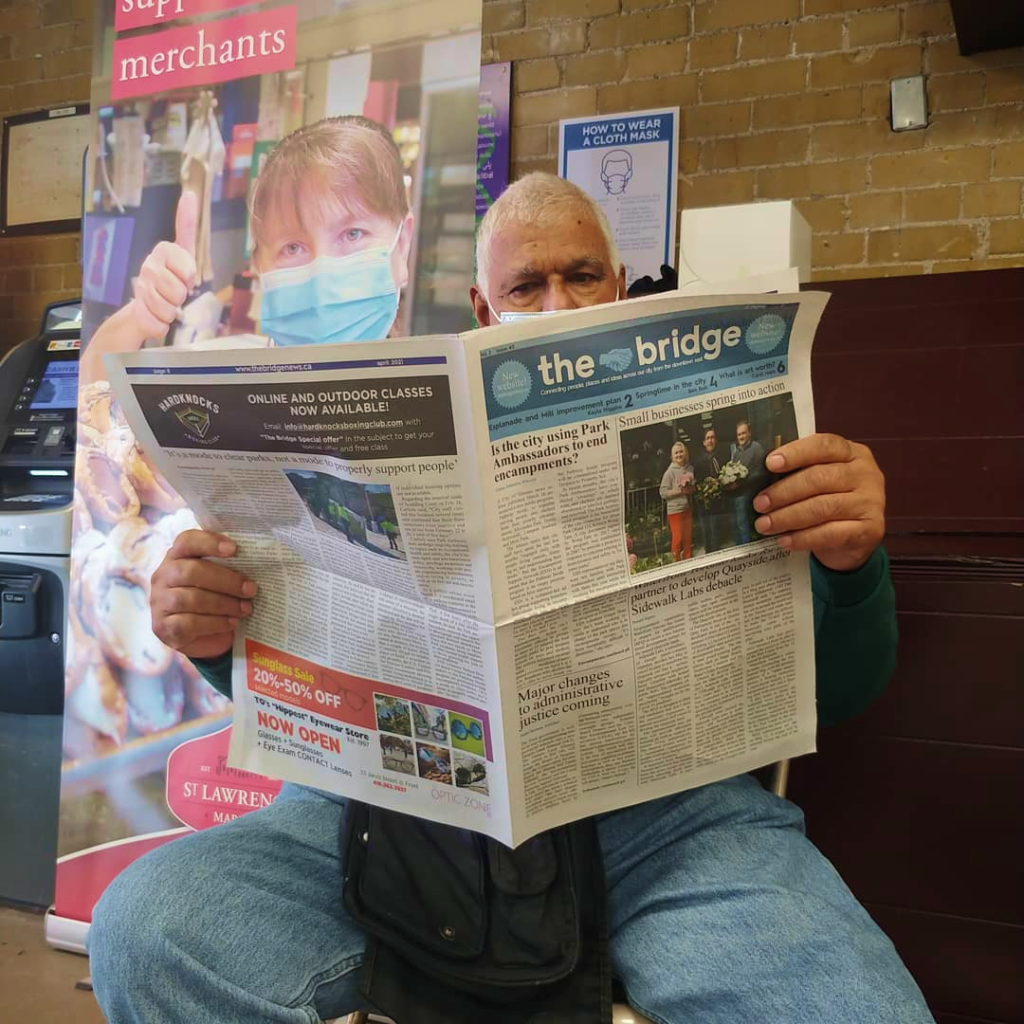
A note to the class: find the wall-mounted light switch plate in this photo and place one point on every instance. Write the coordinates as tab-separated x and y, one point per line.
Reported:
909	103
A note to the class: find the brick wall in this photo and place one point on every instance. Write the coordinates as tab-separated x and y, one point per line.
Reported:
45	61
789	99
781	99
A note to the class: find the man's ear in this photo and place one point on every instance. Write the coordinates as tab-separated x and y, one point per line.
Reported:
481	310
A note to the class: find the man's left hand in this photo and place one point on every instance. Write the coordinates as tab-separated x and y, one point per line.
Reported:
831	503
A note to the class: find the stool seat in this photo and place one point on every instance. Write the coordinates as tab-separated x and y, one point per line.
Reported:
622	1013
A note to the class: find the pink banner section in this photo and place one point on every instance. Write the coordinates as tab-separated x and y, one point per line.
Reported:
203	791
215	51
82	877
138	13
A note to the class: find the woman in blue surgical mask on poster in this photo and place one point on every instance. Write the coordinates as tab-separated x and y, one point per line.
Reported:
331	229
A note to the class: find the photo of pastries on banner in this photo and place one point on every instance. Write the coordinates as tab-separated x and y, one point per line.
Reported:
211	212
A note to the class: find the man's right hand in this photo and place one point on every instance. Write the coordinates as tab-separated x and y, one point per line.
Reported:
196	604
168	274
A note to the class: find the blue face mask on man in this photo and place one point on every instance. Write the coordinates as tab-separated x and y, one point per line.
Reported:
331	299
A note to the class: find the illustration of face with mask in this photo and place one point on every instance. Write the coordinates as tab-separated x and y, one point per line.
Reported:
616	171
332	232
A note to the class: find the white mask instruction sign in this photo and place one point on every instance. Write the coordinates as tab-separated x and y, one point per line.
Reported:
628	163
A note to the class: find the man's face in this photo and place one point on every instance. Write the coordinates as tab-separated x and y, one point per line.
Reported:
743	435
710	443
543	267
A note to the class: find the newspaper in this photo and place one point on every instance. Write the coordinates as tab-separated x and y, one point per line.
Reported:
502	584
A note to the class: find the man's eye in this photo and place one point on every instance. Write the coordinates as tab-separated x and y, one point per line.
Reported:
523	289
585	278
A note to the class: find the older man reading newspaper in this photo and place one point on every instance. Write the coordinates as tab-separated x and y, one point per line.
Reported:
714	904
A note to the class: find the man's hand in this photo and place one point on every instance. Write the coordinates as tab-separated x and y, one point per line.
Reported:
197	604
168	273
832	503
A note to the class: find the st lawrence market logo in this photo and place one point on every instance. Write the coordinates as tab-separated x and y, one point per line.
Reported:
194	414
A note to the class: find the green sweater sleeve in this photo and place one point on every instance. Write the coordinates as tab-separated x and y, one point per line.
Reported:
855	636
855	633
216	671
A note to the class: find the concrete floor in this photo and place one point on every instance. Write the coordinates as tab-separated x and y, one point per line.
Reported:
37	984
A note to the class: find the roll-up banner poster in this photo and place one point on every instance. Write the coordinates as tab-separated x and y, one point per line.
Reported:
253	137
493	146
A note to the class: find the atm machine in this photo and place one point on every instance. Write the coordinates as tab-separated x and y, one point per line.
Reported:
38	405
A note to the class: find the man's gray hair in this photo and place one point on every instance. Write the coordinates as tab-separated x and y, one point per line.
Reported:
536	198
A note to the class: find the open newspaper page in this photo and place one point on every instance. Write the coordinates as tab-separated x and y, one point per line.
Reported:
350	484
562	504
648	640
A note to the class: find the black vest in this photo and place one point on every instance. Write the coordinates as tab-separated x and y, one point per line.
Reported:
461	929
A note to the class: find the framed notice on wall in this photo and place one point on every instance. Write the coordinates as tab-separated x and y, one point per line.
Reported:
41	172
627	162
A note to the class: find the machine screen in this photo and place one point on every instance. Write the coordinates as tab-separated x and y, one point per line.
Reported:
63	318
59	387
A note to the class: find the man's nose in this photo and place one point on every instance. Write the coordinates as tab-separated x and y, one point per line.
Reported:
557	296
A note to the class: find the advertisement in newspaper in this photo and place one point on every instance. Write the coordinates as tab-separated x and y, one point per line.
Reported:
508	578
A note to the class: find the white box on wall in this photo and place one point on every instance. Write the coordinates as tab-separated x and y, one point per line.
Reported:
720	243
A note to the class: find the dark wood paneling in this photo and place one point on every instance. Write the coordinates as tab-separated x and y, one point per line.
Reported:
929	372
958	383
992	25
928	826
939	586
968	967
957	679
940	485
918	802
922	293
956	1018
927	492
930	322
970	545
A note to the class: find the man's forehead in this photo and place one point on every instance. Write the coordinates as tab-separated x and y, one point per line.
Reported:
568	236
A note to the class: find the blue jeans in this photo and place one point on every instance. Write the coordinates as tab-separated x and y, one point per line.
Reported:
720	910
743	509
711	525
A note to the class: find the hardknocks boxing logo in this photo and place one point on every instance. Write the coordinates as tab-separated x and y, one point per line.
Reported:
195	414
195	420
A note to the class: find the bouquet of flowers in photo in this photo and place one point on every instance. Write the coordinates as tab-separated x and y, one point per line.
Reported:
707	490
732	473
